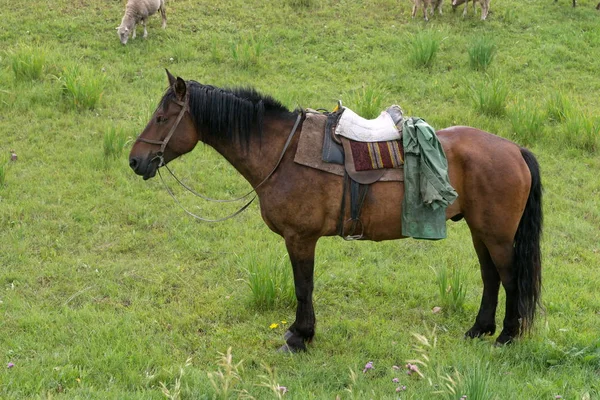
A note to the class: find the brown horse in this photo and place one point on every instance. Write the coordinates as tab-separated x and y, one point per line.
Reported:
498	182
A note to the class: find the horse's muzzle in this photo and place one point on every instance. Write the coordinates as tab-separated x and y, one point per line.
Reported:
144	167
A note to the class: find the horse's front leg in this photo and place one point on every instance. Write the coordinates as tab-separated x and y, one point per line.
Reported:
302	256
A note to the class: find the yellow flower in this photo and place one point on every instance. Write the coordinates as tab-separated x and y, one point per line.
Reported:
273	325
283	322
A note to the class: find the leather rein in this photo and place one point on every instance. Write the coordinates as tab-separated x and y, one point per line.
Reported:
160	155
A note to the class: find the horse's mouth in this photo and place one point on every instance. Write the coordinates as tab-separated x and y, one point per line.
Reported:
151	171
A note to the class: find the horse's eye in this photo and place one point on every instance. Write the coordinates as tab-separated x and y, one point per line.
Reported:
160	119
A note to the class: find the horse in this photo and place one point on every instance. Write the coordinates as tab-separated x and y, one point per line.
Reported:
498	184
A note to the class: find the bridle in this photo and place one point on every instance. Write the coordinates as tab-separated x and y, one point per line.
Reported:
163	143
160	155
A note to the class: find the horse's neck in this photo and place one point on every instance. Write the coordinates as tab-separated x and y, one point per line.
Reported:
260	157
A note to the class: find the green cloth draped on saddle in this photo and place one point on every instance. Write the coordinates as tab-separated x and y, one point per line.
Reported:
427	189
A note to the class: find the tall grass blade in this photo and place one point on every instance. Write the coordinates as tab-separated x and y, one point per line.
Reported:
527	123
490	97
270	281
28	63
81	88
558	106
423	49
113	143
368	101
481	53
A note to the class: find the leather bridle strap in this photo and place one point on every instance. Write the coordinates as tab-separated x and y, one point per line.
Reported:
163	143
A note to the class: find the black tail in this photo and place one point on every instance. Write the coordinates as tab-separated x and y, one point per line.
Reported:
527	256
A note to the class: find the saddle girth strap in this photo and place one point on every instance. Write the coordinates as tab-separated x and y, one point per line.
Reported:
358	193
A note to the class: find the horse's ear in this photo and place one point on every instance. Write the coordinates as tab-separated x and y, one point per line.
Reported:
171	78
179	88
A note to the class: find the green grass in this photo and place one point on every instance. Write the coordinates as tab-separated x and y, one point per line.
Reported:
451	288
2	174
558	106
246	52
109	291
490	97
269	279
82	89
481	53
528	123
114	143
424	48
367	101
28	62
581	131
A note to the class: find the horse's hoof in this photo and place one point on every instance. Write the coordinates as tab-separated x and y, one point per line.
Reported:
285	349
477	332
288	334
503	340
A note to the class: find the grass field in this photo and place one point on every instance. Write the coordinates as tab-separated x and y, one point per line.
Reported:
109	291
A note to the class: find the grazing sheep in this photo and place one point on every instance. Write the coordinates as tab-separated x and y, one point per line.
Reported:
136	11
485	7
427	4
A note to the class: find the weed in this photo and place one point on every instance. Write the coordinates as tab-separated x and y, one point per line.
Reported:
114	143
246	53
451	288
581	132
527	123
82	89
180	52
270	381
2	175
367	101
490	97
270	281
28	63
475	384
175	392
215	53
424	47
301	3
227	377
481	53
558	106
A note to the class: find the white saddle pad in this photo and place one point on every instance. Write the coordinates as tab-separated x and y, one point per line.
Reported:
355	127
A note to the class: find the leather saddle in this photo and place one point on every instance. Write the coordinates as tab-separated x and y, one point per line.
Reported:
344	125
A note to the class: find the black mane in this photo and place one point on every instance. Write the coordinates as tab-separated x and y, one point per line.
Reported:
228	113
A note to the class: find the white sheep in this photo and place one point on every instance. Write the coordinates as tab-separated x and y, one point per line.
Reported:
426	5
485	7
136	11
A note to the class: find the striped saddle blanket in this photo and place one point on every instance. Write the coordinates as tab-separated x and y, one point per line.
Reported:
377	155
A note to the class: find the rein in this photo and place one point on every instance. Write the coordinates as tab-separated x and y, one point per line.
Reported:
160	155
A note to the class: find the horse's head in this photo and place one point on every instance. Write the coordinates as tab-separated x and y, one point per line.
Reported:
169	133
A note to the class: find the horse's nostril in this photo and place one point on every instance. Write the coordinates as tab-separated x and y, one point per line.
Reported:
133	163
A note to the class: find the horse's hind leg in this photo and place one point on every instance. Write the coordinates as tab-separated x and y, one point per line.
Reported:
485	323
302	256
503	256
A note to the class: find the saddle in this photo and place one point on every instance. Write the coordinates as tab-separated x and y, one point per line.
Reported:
363	151
366	147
